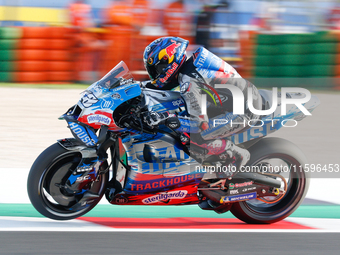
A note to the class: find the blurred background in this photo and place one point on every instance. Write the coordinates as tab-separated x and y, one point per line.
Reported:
69	41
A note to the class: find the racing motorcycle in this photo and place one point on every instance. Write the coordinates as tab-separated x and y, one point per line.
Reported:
114	153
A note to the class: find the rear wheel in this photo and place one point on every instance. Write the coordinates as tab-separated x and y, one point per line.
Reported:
281	155
46	180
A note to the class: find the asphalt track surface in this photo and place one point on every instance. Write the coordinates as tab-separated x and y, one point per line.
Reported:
29	124
168	243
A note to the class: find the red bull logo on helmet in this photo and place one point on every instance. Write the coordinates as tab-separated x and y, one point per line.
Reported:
169	51
169	73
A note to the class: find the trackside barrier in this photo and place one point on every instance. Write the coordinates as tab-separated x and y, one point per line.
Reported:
51	55
36	54
311	60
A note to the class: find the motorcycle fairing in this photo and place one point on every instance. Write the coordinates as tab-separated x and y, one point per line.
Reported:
142	186
100	112
159	101
82	132
167	158
98	102
169	179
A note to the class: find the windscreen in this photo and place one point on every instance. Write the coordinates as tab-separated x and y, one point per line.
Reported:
113	78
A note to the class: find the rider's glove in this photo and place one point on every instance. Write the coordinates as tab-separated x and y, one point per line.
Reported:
155	118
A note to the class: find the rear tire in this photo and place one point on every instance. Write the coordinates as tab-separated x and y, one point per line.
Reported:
298	182
50	170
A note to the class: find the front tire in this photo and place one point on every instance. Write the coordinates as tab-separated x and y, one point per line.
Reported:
49	171
266	150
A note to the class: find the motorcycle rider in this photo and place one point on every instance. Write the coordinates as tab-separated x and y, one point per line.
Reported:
168	66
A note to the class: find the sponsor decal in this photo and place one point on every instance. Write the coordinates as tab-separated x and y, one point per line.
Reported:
116	96
164	182
234	192
81	133
185	138
84	168
240	185
172	123
98	118
202	57
106	104
188	123
169	73
121	200
248	189
169	51
185	87
123	87
165	197
243	184
184	129
88	99
178	102
83	178
243	197
191	96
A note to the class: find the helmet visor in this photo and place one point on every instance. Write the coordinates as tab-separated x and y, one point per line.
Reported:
152	72
157	69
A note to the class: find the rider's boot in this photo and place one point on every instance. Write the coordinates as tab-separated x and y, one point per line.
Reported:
234	156
226	149
215	147
238	155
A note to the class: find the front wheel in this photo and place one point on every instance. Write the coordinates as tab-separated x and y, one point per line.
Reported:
288	161
46	180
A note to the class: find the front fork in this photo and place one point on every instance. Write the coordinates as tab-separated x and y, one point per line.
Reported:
91	165
86	172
